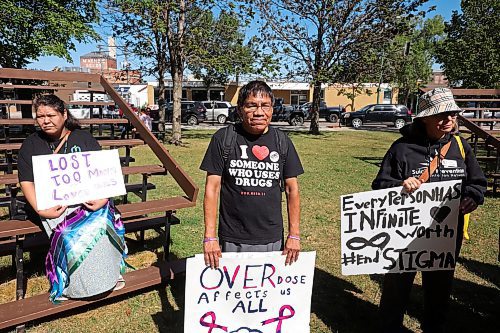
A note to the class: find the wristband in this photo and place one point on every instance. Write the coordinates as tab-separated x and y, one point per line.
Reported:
294	237
209	239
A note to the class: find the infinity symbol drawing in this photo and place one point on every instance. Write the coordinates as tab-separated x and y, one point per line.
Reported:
358	243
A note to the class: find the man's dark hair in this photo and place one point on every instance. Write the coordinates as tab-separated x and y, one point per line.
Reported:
57	104
254	88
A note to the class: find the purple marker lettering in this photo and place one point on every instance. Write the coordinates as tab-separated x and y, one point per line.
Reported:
63	164
87	163
54	195
52	166
74	162
55	179
65	178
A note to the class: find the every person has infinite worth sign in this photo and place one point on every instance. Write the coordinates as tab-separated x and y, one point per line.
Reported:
388	231
249	293
67	179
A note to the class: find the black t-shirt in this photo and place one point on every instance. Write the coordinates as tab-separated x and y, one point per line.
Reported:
250	199
40	144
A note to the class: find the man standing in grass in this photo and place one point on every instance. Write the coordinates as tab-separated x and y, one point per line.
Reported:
249	165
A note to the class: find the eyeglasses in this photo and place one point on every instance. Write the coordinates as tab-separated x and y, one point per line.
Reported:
254	107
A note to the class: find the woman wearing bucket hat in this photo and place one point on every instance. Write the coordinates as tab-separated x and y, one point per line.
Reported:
408	163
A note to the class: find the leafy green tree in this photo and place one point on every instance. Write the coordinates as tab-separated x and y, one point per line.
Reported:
158	34
219	53
30	29
410	56
318	37
470	54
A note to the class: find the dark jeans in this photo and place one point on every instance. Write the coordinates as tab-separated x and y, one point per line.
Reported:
437	289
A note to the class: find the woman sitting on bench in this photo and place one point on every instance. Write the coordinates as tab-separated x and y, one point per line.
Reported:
87	247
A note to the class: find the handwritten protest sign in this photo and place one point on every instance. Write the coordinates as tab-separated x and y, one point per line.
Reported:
67	179
387	231
249	293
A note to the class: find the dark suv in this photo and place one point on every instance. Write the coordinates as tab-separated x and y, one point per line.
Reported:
329	113
393	114
191	112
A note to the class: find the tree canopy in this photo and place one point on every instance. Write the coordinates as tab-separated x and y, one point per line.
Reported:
470	53
317	38
30	29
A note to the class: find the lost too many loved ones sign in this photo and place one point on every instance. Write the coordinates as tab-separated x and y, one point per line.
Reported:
67	179
249	293
387	231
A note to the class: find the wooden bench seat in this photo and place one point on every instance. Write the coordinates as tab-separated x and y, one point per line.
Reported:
103	143
85	122
36	307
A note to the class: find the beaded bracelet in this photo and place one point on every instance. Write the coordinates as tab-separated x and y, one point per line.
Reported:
209	239
294	237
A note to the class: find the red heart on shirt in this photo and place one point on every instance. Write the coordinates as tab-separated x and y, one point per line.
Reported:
261	152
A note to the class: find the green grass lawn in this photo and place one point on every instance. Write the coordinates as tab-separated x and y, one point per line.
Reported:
335	163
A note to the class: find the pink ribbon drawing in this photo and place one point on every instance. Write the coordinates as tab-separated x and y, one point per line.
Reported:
211	325
281	317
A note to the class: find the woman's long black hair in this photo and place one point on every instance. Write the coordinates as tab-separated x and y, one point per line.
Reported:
57	104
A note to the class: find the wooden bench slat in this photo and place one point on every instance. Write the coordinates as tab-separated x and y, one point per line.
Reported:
12	228
143	169
103	143
154	206
36	307
90	121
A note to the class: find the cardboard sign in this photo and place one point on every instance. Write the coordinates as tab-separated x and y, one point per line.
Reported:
68	179
387	231
249	293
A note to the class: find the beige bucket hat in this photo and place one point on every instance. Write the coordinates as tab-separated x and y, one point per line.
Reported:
437	100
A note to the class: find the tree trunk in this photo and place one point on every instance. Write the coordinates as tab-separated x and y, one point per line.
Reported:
314	129
176	115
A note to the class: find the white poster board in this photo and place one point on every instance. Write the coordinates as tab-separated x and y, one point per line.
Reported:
67	179
249	293
387	231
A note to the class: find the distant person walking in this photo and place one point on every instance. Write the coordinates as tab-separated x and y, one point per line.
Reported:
432	135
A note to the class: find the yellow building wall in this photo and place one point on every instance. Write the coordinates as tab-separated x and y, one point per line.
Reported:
332	98
151	95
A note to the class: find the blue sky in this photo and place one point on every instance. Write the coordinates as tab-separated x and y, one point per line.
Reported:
443	8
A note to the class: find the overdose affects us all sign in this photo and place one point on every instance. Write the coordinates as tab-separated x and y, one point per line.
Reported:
67	179
389	231
249	293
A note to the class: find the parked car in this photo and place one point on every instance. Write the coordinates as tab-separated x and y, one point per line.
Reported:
217	111
288	113
394	114
191	112
329	113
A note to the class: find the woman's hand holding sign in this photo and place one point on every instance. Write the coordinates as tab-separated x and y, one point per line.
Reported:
52	213
467	205
94	205
411	184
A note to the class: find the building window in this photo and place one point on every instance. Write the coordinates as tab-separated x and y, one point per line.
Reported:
298	97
